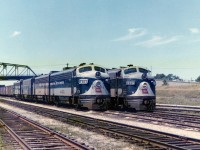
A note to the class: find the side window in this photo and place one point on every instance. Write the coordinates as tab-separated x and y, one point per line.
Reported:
99	69
143	70
85	69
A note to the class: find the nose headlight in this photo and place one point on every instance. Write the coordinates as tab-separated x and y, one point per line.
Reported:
98	74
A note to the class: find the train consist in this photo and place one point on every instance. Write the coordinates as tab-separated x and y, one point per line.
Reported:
90	86
132	88
83	86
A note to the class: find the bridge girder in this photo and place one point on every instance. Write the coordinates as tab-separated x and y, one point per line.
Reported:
10	71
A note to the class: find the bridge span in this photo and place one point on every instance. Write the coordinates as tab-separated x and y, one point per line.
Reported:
10	71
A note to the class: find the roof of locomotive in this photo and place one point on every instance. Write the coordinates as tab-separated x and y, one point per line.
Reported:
68	70
131	71
64	71
41	76
124	68
86	65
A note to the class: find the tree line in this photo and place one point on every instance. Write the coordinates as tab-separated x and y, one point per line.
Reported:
171	77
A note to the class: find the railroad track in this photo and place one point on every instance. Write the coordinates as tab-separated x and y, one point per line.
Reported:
177	119
7	141
166	107
149	139
30	135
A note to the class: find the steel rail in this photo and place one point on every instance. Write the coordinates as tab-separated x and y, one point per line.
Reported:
176	120
178	107
70	143
131	133
19	140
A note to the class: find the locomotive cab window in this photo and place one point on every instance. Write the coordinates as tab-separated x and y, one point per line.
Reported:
85	69
143	70
99	69
130	70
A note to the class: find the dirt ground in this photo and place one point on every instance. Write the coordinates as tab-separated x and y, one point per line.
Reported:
180	94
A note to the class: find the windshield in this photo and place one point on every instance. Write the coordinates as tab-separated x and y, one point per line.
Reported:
85	69
130	70
99	69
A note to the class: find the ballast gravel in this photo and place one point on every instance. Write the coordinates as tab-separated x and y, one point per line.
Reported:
92	139
97	140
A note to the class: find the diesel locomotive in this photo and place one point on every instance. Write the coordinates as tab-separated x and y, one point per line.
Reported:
132	88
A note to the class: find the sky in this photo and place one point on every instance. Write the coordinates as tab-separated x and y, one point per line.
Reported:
162	35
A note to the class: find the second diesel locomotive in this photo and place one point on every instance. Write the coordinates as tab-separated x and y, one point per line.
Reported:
83	86
132	88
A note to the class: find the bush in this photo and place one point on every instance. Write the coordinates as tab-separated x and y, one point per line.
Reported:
198	79
165	82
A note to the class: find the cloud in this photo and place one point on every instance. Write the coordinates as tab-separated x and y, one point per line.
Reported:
132	33
15	34
194	30
158	40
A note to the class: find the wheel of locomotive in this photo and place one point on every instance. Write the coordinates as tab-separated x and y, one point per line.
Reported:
106	104
46	99
70	101
57	101
151	107
77	103
125	104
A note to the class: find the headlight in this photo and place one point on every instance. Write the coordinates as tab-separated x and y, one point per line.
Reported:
98	74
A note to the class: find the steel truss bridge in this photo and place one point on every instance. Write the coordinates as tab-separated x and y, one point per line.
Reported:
15	72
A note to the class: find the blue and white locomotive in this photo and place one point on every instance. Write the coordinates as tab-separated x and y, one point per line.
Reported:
132	87
83	86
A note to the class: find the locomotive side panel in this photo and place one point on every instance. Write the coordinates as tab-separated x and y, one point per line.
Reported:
61	84
41	86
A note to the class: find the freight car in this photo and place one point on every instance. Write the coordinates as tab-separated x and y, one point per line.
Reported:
132	88
6	90
2	90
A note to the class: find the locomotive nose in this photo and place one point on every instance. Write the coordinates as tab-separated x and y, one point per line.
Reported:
145	88
98	87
